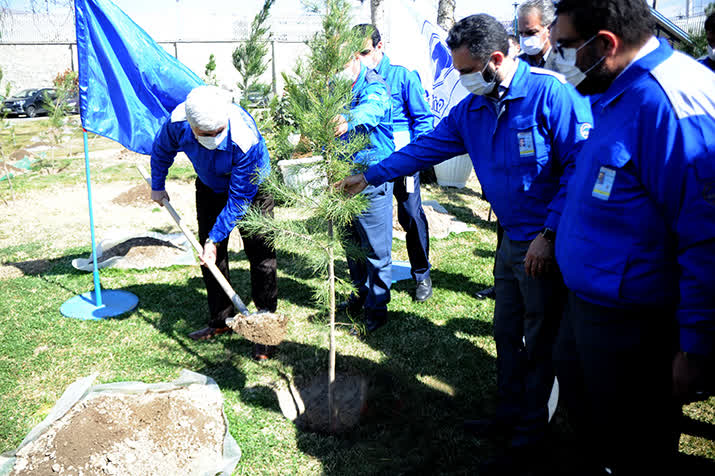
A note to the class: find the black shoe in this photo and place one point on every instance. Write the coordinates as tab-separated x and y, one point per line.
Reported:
352	306
424	290
487	428
490	293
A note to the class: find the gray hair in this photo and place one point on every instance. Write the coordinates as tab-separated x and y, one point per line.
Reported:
207	108
544	7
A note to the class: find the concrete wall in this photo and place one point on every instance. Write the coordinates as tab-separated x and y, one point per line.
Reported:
33	66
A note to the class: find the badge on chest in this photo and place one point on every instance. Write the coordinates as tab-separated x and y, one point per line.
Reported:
526	143
604	183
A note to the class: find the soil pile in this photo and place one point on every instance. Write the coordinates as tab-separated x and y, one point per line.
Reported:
138	195
176	432
262	328
138	251
349	397
439	222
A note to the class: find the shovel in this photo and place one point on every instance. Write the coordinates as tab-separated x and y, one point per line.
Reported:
265	328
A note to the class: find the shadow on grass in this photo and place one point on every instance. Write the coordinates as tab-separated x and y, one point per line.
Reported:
418	395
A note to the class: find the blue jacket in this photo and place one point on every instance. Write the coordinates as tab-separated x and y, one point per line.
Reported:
410	111
523	156
371	113
237	166
638	227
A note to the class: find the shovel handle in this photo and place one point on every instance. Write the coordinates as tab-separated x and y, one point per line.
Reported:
235	298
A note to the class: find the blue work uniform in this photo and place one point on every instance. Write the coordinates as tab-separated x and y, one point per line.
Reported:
636	246
411	118
227	184
522	151
371	113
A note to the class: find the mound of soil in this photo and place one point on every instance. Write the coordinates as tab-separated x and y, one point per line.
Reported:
138	195
20	154
264	328
138	251
176	432
349	396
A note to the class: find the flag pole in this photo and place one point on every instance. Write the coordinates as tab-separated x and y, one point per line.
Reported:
97	285
91	306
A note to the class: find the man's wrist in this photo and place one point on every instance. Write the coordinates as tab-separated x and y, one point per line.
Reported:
209	240
549	235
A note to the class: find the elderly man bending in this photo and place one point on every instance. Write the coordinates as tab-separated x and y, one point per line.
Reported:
231	160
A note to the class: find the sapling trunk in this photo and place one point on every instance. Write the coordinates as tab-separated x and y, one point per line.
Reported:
332	410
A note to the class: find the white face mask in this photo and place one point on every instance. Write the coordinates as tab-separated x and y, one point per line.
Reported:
566	63
476	84
211	143
711	53
369	62
531	45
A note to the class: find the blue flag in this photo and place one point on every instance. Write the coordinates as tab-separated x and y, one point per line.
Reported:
128	84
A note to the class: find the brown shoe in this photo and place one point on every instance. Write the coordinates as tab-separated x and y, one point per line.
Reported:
208	333
263	352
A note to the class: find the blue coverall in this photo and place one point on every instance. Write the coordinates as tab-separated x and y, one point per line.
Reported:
636	246
411	118
226	186
371	113
522	151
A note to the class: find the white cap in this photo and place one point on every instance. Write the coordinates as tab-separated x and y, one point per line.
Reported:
207	108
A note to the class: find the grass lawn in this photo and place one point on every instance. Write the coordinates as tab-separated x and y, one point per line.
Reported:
432	366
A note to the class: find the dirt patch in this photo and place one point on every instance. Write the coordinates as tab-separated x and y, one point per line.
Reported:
141	249
349	397
24	268
264	328
138	195
175	432
20	154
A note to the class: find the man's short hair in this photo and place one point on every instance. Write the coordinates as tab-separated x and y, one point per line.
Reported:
544	7
481	34
366	29
629	20
207	108
710	22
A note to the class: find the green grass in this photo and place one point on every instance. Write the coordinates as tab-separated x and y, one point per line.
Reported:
432	366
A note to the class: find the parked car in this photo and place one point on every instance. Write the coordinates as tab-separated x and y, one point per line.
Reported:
29	102
257	99
72	103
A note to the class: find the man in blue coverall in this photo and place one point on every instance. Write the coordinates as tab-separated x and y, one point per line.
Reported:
636	243
520	127
411	117
370	113
230	158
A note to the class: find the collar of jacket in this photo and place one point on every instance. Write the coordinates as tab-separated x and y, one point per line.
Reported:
517	89
383	66
641	67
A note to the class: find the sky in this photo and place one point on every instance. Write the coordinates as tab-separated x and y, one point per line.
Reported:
502	9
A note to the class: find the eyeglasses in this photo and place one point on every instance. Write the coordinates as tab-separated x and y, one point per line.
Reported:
562	44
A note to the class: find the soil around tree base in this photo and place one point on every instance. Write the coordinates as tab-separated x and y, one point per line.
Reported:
350	399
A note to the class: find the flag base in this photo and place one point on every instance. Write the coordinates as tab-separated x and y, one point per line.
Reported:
114	303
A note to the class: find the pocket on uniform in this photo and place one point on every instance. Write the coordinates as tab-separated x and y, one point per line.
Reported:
603	270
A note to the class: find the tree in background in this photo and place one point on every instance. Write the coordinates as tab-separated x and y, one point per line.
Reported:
445	14
320	214
249	58
210	71
698	47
